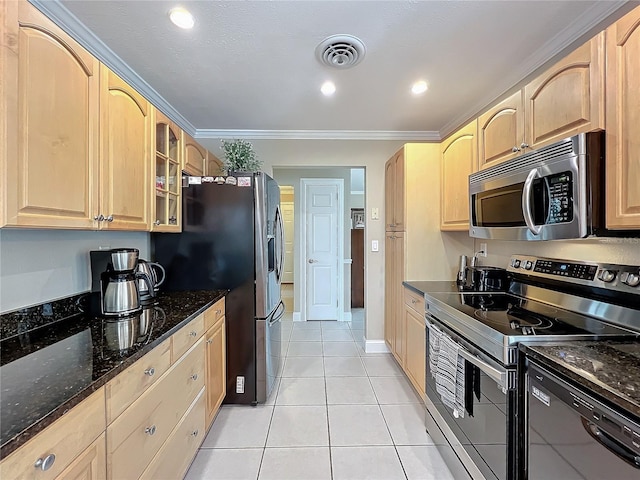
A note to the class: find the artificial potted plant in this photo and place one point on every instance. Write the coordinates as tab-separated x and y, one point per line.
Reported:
239	157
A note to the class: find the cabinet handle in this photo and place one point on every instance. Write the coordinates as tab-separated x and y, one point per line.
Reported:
210	341
414	301
194	377
157	222
150	371
515	149
524	145
195	433
150	430
99	218
193	334
45	463
109	218
218	312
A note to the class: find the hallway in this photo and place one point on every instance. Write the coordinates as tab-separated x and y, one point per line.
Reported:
337	414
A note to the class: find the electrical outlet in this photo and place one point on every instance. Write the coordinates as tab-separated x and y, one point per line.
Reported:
483	250
375	214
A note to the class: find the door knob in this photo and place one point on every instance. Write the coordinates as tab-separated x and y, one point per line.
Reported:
311	260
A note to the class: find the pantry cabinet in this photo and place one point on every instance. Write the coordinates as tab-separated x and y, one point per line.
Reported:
395	193
459	160
126	125
501	131
49	89
195	156
568	98
394	276
167	186
623	123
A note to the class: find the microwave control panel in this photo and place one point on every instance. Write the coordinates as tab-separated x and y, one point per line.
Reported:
560	197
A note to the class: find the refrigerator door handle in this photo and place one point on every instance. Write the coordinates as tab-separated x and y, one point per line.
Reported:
280	259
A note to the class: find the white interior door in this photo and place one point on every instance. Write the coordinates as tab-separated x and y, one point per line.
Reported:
323	249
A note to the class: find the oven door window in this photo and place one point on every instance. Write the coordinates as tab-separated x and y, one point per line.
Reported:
502	207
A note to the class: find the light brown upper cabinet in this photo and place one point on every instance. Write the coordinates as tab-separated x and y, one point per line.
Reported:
568	98
50	96
168	176
126	124
195	156
501	131
459	160
394	193
213	165
623	123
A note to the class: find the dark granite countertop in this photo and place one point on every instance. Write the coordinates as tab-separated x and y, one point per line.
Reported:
46	371
432	286
611	369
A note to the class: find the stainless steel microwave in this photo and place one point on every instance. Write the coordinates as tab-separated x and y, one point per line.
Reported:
556	192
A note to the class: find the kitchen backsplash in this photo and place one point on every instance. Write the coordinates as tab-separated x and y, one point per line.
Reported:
38	266
624	251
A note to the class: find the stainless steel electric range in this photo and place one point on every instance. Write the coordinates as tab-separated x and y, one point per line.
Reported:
548	300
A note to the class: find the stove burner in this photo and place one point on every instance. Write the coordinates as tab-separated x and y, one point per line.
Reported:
517	318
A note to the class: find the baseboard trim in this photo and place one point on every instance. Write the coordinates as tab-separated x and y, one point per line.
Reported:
346	317
375	346
297	317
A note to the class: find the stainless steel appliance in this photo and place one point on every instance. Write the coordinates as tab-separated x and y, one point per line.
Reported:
485	279
572	434
553	193
156	275
232	238
546	300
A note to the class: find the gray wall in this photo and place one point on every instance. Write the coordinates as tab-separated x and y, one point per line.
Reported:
37	266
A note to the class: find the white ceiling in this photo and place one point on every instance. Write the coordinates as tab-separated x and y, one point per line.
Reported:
248	68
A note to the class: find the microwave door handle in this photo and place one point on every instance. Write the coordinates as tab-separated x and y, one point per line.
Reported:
526	203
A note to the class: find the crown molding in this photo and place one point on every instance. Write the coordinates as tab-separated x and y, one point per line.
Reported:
66	20
426	136
583	25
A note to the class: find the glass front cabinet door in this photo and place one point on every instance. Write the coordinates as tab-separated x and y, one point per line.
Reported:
168	176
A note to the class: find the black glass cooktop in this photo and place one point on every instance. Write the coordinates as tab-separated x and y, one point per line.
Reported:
511	315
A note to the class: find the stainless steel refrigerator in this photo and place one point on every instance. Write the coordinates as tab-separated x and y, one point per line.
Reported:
233	238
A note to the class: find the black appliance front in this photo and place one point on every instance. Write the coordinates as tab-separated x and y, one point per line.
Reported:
487	430
216	250
572	435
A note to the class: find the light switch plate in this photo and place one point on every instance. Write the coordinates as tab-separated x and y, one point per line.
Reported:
375	214
374	245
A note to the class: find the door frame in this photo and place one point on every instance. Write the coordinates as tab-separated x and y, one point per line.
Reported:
302	251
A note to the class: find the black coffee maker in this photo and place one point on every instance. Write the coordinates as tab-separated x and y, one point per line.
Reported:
114	286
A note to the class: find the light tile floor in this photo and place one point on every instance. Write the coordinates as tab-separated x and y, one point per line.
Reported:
337	413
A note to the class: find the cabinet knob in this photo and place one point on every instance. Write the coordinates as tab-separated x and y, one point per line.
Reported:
157	222
150	430
150	371
515	149
524	145
99	218
194	377
45	463
210	341
192	333
109	218
414	301
195	433
173	220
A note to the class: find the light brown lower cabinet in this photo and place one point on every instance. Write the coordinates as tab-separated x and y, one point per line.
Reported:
215	368
68	448
415	339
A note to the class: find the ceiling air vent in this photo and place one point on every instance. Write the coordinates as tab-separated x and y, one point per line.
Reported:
340	51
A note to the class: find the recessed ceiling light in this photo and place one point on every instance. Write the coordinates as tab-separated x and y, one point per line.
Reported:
181	17
419	87
328	88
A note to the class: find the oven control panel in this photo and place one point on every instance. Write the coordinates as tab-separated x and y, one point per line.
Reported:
620	278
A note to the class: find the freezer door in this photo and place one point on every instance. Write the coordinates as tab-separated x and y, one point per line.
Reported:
269	245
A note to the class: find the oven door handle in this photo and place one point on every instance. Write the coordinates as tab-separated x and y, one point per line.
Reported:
526	202
497	375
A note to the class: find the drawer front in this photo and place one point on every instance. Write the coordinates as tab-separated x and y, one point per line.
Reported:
213	314
130	384
135	437
65	439
174	458
414	300
184	339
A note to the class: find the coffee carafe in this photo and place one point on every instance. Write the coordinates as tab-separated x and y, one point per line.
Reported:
119	294
156	274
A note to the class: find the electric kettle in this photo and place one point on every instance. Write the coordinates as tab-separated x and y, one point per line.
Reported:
156	275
